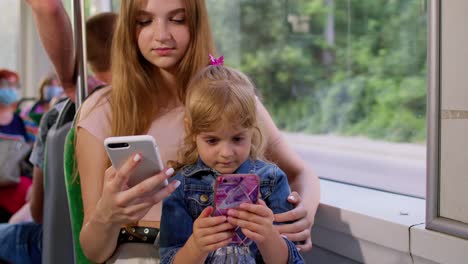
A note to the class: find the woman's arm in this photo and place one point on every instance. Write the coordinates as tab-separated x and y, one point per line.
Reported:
56	34
37	194
98	236
107	201
301	178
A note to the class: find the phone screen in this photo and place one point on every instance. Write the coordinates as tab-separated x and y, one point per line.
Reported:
230	191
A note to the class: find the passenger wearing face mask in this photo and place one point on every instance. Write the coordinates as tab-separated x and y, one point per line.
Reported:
11	124
12	127
54	93
49	91
26	237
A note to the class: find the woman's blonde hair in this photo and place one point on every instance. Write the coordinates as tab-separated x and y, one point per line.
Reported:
136	93
219	96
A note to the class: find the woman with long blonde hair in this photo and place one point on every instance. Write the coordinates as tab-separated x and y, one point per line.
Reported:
158	46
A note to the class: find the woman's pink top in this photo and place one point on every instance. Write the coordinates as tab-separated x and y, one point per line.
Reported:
167	130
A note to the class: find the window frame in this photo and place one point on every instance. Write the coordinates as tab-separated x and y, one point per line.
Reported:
434	221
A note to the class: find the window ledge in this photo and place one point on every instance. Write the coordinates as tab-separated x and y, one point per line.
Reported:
437	247
372	226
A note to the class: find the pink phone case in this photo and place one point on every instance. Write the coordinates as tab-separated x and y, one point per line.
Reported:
230	191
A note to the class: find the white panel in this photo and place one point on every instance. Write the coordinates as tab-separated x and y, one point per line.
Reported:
438	247
454	106
369	230
454	168
357	249
366	225
418	260
99	6
319	255
454	54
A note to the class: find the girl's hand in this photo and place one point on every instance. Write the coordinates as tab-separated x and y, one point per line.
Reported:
211	233
121	205
256	221
300	229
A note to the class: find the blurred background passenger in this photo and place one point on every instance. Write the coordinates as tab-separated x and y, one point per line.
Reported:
99	34
49	91
14	148
26	237
10	123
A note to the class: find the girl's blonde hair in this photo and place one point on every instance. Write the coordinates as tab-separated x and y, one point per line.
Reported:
136	93
219	96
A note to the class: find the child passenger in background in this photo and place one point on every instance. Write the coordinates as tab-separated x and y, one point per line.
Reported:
223	137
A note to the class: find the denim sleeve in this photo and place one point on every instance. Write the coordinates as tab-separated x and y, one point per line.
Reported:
278	203
294	257
278	200
176	223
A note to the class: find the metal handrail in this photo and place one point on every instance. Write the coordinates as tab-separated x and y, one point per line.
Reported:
80	51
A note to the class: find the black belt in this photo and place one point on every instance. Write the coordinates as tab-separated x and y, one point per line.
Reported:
138	234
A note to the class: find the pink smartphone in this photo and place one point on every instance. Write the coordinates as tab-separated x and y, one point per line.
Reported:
230	191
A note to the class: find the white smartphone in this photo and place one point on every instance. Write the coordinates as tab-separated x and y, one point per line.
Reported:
119	149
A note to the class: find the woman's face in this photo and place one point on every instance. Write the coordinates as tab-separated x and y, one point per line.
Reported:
163	33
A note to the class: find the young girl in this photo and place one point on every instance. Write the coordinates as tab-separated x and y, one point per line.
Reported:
223	137
158	46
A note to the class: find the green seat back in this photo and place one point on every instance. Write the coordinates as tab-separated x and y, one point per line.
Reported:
75	203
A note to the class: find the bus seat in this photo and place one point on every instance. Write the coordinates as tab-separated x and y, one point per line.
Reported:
57	238
72	182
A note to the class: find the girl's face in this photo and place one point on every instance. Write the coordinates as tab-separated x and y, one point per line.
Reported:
226	148
163	33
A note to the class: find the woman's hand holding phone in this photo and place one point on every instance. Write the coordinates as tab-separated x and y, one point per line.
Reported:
120	204
119	149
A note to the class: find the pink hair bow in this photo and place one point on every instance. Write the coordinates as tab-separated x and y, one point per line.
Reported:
216	61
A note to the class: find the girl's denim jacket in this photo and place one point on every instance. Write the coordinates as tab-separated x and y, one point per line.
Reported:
185	204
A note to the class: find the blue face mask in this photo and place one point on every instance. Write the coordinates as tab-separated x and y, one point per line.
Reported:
52	91
8	96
